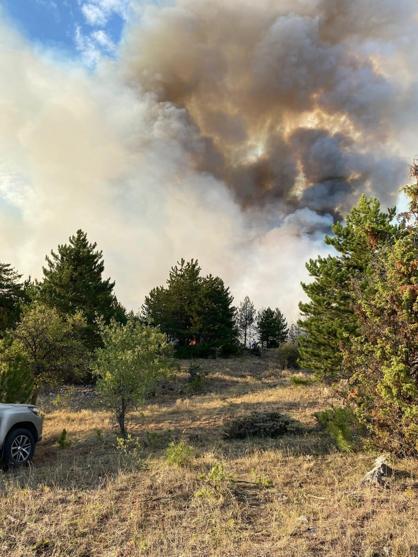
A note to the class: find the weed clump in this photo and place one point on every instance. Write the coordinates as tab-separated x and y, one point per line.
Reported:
301	381
179	454
63	441
261	424
342	426
197	378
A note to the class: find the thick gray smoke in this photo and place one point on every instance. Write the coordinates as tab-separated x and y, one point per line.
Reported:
233	131
286	102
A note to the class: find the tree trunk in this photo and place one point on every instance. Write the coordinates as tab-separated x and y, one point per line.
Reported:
121	419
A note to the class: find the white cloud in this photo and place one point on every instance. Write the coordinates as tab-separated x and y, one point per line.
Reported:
98	12
92	46
103	40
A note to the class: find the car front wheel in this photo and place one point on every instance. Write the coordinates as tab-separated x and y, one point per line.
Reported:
19	448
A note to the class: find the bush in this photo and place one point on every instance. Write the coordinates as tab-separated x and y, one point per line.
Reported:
179	454
16	381
129	450
51	344
261	424
342	426
299	380
63	441
288	354
197	378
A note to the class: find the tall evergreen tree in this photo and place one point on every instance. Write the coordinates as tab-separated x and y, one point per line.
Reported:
245	320
216	316
174	308
272	328
195	312
73	282
294	333
328	322
382	361
12	295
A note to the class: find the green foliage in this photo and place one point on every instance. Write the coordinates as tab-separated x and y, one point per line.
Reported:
261	424
288	355
342	426
180	453
328	321
73	283
195	312
299	380
272	328
16	383
12	295
133	358
197	378
246	315
63	441
361	323
217	474
261	479
130	451
51	345
383	360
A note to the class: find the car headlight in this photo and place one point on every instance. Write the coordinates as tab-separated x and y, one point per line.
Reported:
35	410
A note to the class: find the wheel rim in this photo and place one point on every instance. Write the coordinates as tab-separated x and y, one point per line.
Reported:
21	449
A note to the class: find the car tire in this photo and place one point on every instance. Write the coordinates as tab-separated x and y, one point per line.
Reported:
18	448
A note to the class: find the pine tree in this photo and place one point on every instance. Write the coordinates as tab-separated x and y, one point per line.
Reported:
328	322
174	308
73	282
217	317
245	320
12	295
272	328
382	361
282	328
195	312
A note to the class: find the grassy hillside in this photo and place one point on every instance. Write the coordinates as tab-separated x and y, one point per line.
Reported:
286	497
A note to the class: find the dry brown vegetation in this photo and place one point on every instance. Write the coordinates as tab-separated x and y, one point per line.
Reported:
291	496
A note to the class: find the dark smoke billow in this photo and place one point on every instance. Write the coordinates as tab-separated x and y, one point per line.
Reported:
234	132
285	102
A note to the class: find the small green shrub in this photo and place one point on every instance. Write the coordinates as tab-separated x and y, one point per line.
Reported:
300	381
129	449
217	474
179	454
197	378
261	424
342	426
288	355
207	493
261	479
63	441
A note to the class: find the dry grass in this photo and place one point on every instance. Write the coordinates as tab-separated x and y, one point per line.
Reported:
288	497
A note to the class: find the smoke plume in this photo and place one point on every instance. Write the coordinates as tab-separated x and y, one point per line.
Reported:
283	102
231	131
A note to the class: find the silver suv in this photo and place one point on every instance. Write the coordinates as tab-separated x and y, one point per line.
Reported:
20	430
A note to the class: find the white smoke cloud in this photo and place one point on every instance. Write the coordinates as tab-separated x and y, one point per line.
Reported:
105	152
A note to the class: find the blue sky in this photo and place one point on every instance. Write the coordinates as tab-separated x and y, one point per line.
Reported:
87	29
